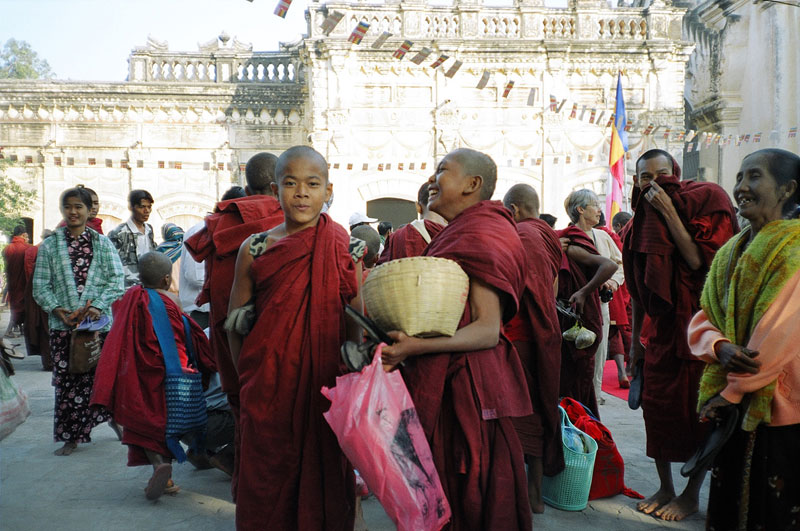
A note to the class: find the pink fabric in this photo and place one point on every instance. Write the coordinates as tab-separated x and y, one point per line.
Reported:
775	337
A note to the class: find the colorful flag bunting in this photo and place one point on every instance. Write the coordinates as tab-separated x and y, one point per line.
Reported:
484	80
667	131
583	113
561	105
611	121
331	22
793	132
649	129
555	160
689	147
690	136
747	138
539	161
358	33
756	138
453	69
591	157
402	50
421	56
616	156
282	8
600	118
592	116
553	103
532	97
574	111
568	160
437	63
380	41
508	88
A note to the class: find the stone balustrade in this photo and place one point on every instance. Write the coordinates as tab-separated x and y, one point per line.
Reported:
584	20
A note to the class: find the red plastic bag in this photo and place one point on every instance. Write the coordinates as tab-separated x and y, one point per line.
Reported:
608	478
377	426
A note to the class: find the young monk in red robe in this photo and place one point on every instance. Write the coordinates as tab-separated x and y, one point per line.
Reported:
37	326
675	232
130	375
293	474
217	244
468	387
583	271
536	334
411	240
14	256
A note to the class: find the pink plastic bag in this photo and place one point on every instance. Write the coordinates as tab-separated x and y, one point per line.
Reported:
376	423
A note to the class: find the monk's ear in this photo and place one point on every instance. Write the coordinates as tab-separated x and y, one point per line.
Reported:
791	189
328	191
274	188
473	184
419	208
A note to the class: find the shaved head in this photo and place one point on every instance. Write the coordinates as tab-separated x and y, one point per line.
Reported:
153	267
525	198
260	173
373	240
476	163
300	152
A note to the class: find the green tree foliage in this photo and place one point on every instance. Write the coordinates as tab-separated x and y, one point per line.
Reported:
19	61
15	200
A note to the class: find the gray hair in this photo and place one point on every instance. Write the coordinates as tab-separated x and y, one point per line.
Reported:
579	199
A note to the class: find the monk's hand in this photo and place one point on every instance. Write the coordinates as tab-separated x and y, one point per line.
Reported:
636	353
710	408
612	285
403	347
564	244
734	358
578	301
66	317
660	200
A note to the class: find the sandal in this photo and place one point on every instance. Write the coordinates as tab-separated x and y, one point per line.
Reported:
158	481
171	488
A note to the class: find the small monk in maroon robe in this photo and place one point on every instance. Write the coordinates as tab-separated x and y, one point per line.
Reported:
668	246
412	239
536	335
468	387
37	326
129	380
292	473
232	222
14	256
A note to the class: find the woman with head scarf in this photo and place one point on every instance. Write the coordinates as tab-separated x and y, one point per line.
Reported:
747	333
172	247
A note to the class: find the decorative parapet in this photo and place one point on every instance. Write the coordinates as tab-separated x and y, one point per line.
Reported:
219	61
584	20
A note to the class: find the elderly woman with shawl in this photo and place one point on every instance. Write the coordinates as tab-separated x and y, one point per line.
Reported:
172	246
747	333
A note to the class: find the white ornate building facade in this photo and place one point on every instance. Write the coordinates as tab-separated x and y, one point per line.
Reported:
184	123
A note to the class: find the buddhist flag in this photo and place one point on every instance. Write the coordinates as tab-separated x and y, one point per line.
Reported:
508	88
574	111
331	22
453	69
403	50
793	132
553	103
616	157
358	33
438	62
756	138
282	8
380	41
421	56
532	97
484	80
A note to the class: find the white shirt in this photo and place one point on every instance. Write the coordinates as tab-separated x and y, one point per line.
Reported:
192	276
142	238
608	249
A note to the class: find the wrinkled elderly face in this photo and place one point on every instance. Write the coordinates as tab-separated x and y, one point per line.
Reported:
757	193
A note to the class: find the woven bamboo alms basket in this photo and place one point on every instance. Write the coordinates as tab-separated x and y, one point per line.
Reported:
422	296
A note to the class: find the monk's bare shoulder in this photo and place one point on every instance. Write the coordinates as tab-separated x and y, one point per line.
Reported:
173	297
257	244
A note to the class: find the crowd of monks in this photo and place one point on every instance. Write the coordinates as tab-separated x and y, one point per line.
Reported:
486	397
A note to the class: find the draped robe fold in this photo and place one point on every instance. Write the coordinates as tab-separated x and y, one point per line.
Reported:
14	255
660	280
293	474
536	334
407	241
577	365
466	400
129	380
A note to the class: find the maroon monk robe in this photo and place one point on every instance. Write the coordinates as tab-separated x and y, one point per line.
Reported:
14	255
660	280
536	334
92	223
466	400
37	326
577	365
129	380
293	474
407	241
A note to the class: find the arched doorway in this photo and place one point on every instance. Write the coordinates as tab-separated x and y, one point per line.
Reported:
398	211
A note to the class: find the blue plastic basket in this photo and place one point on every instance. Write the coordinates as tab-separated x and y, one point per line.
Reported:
569	490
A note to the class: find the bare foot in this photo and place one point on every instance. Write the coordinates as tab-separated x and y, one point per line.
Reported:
158	482
678	509
67	449
655	501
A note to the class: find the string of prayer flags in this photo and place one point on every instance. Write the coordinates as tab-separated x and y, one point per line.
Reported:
561	105
756	138
680	135
689	147
574	111
553	103
403	50
453	69
282	8
793	132
648	129
747	138
421	56
583	113
592	116
331	22
628	126
568	160
508	88
532	97
358	33
381	40
591	157
667	131
484	80
438	62
610	120
691	135
709	138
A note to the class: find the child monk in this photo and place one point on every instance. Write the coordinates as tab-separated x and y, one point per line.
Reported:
292	474
130	376
467	388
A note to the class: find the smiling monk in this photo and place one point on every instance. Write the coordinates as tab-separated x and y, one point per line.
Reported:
292	473
468	387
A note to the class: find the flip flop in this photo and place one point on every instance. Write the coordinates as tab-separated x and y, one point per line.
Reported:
637	385
724	425
172	489
158	481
